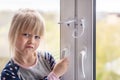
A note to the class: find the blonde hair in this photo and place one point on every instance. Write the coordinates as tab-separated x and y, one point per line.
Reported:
28	20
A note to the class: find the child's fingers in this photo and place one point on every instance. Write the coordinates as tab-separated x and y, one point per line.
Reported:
65	61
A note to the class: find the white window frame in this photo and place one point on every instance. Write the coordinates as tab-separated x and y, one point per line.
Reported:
70	10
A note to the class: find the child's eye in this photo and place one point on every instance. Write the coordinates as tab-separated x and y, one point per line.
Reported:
37	37
26	35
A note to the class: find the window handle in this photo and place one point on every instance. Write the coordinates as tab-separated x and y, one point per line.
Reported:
83	54
80	26
65	52
68	22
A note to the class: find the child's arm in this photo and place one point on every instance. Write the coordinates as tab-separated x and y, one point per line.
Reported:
61	67
53	76
50	59
57	69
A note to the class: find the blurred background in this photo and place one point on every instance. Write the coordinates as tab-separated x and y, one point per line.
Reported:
107	39
49	10
107	32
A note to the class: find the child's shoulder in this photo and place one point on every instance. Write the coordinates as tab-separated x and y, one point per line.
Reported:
10	71
10	68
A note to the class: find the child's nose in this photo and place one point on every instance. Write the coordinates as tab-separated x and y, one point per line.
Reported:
31	40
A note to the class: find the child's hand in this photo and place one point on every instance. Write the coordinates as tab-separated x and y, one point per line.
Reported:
61	67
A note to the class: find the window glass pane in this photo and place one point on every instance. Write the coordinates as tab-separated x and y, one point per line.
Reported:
108	39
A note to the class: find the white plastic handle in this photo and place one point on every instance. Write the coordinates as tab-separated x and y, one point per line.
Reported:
65	52
83	53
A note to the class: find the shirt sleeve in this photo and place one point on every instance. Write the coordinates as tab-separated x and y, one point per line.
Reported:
50	59
52	76
10	72
8	75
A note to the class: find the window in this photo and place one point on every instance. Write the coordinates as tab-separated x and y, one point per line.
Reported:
77	37
72	37
107	39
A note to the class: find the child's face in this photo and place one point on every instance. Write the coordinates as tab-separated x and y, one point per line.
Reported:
27	43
